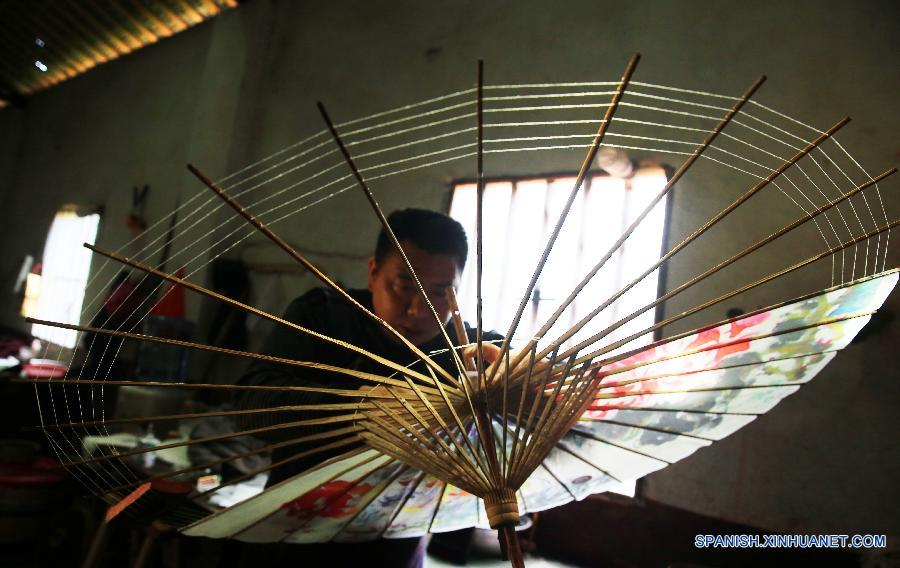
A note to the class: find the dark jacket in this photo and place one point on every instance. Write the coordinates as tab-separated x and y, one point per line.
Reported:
324	311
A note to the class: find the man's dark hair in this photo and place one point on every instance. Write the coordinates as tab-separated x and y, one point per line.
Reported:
433	232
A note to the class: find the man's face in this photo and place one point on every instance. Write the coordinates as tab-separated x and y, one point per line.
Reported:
396	298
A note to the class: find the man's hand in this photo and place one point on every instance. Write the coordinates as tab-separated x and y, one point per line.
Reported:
492	353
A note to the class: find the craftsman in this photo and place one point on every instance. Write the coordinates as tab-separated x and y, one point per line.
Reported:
436	247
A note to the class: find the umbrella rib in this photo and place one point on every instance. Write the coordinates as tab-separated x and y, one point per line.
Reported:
203	347
585	166
459	466
749	286
756	246
575	404
439	419
158	384
503	414
276	510
541	447
584	403
492	468
670	183
551	412
441	442
614	396
639	409
705	227
401	504
524	389
711	369
688	353
390	232
266	448
321	506
621	447
260	226
676	337
528	449
483	416
462	339
537	446
561	445
437	507
221	297
383	436
558	480
270	467
475	455
297	424
198	415
402	454
659	430
375	496
479	224
517	456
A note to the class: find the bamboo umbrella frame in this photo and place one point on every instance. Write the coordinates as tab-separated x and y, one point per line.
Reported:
488	425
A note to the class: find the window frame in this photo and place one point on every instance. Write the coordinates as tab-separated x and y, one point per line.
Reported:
662	282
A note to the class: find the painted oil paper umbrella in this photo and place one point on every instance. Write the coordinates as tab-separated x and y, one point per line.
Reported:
562	416
651	409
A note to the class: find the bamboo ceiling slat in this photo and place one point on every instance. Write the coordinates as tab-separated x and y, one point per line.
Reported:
45	43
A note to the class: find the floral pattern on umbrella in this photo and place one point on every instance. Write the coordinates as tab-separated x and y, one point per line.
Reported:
652	409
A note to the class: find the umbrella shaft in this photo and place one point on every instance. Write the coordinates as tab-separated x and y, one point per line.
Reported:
509	544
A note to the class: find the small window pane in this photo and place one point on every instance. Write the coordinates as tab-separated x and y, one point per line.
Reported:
64	275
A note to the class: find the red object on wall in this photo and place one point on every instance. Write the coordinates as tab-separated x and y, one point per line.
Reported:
171	303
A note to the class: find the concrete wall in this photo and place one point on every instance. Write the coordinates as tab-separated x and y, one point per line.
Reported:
244	85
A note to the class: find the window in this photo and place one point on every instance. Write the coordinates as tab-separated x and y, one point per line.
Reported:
518	218
66	263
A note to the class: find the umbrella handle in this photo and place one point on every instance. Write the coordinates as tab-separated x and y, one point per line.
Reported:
503	515
509	545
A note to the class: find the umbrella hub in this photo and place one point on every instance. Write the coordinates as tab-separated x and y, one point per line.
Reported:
501	508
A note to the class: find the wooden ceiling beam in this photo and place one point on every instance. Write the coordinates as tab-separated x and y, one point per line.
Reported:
133	41
77	35
62	53
78	44
13	75
173	15
211	8
17	39
86	15
96	40
188	11
161	29
146	35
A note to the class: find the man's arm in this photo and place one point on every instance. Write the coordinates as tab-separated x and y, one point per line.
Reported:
307	311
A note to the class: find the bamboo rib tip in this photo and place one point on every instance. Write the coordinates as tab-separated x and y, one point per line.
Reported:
202	177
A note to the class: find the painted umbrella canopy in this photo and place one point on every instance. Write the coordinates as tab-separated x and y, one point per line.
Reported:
651	409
